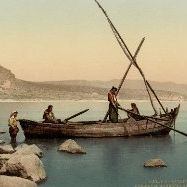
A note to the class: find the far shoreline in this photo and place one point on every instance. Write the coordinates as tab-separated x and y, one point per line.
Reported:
79	100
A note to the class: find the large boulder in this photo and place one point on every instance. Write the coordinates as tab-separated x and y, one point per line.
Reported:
25	149
4	149
71	146
25	166
7	181
155	163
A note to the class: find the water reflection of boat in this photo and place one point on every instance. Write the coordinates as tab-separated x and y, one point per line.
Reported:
124	128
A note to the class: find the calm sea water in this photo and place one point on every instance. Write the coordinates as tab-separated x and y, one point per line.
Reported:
109	161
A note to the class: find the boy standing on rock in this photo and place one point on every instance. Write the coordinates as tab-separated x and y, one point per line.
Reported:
13	126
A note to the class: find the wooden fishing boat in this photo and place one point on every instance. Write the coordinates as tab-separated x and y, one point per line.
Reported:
137	126
124	128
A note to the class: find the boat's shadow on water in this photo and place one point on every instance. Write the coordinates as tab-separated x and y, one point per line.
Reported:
104	139
130	144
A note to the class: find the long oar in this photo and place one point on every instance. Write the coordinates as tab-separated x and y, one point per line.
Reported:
148	118
142	116
75	115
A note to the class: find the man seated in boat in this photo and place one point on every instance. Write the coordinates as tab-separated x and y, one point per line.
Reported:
113	105
49	116
133	112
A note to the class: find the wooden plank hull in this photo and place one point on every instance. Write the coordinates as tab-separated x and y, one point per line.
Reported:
97	129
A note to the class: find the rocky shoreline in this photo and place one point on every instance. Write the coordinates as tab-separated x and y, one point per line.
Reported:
22	165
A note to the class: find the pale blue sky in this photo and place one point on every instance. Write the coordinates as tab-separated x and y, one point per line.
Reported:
70	39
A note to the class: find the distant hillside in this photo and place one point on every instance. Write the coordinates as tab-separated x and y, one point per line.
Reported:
13	88
128	84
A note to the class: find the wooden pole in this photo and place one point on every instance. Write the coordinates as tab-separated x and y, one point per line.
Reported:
127	52
126	73
151	117
75	115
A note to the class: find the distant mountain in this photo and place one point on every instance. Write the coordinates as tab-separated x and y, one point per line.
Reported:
13	88
128	84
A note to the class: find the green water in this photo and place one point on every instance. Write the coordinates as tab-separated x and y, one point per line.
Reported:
109	161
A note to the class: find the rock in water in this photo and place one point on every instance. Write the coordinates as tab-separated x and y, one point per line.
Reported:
6	149
155	163
25	149
7	181
71	146
25	166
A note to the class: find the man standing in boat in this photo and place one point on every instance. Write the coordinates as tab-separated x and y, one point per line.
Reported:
49	116
113	105
13	126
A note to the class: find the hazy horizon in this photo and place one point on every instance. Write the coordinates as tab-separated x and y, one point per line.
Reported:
47	40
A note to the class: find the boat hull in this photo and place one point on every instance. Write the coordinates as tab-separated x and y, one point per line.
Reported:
98	129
